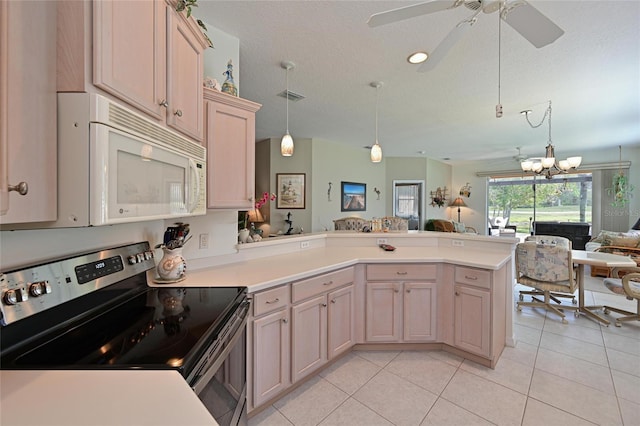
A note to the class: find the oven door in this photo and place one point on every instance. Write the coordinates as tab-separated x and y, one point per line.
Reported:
220	378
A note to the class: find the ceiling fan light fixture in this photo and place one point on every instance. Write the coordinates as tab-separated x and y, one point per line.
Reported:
417	57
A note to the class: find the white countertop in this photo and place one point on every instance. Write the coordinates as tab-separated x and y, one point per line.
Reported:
105	398
259	274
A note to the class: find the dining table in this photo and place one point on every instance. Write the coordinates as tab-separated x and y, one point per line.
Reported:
603	260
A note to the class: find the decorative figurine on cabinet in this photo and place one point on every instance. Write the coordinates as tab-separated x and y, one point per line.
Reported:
229	86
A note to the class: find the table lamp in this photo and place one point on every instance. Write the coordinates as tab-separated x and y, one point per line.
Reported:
458	202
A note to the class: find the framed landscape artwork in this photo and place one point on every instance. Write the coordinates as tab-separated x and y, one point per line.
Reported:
291	190
354	197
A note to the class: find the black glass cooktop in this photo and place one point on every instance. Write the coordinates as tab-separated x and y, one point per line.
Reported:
156	328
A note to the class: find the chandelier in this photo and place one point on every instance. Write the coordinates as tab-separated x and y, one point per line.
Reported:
547	165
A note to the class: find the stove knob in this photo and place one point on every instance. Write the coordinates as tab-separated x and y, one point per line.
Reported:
39	288
133	259
148	255
10	297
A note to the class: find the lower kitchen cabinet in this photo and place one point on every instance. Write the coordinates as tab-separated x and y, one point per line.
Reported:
340	321
401	312
419	312
400	308
472	311
322	328
271	362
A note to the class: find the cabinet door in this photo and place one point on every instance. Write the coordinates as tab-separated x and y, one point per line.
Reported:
472	320
130	52
184	78
419	309
230	156
271	347
28	111
383	312
309	339
340	321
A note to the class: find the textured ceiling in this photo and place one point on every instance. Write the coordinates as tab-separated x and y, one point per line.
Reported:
591	74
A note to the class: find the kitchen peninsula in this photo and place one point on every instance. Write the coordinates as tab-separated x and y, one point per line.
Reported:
317	296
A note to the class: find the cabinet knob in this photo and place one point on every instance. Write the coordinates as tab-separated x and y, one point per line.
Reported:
22	188
328	283
178	113
164	103
457	294
408	291
285	320
276	300
333	300
324	305
396	290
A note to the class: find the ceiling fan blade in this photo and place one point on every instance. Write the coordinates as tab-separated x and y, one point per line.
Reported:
443	48
402	13
531	23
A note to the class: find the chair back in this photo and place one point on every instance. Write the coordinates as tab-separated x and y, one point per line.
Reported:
550	240
544	263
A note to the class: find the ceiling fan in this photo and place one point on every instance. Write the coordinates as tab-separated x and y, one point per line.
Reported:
519	14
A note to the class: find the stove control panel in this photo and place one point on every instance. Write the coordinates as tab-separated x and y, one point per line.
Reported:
30	290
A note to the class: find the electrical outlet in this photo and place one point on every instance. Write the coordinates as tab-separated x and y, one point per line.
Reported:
304	244
204	241
382	241
457	243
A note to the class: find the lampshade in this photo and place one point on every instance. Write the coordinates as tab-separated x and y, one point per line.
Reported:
458	202
286	146
255	216
376	153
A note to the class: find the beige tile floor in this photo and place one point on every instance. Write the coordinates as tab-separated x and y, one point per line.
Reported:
579	373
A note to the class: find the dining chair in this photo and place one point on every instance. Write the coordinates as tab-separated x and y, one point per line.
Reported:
544	263
629	286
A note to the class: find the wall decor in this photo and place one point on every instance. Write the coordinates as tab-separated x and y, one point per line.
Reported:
291	190
329	192
354	197
465	191
438	197
377	191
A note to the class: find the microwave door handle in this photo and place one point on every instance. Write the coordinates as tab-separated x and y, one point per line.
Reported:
193	203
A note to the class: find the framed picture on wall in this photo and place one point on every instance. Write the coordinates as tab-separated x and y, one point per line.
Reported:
291	190
353	196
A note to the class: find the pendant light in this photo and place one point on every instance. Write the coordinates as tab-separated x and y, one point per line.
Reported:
376	149
286	146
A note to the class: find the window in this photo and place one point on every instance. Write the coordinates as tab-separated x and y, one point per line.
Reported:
519	201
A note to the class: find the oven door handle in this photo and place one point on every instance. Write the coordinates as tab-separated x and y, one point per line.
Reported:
211	369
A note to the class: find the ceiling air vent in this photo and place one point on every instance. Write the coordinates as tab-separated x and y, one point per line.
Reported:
292	96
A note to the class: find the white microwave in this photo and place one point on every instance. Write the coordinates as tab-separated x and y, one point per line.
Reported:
116	166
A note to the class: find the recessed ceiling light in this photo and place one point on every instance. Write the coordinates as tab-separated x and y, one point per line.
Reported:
417	57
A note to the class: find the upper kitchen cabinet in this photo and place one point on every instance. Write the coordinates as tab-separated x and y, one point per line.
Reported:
27	111
230	142
144	53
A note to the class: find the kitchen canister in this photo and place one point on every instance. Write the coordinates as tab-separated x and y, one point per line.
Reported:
172	267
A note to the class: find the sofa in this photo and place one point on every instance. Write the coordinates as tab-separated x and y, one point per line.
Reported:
388	223
445	225
620	243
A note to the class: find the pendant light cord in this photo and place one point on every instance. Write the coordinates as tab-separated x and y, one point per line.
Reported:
286	97
377	96
499	50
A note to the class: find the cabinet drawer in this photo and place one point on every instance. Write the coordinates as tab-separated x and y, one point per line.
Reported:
475	277
270	300
401	271
320	284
